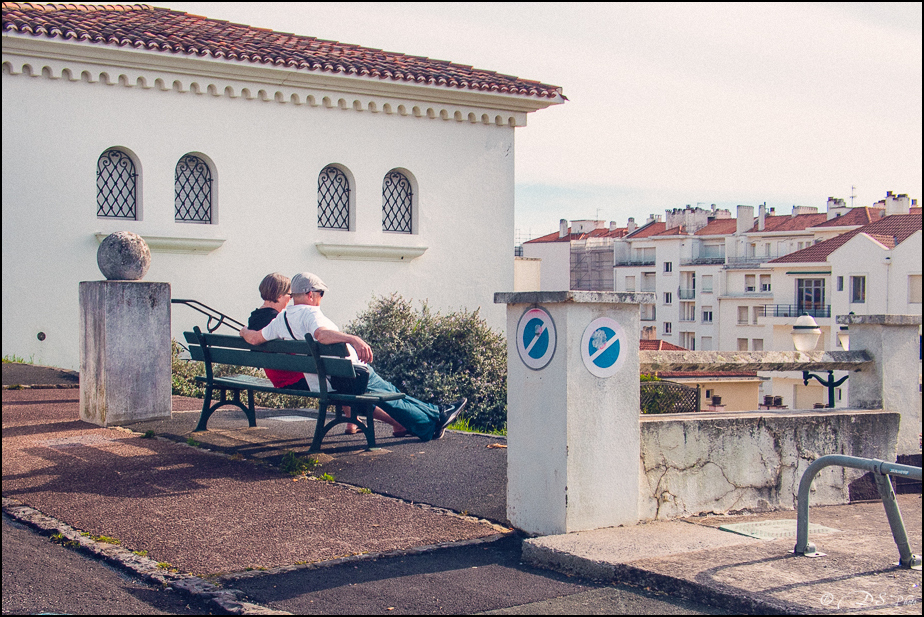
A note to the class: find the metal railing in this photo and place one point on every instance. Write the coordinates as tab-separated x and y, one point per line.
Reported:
881	471
686	294
216	318
793	310
634	262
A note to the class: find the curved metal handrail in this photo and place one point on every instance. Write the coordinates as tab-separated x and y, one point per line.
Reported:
216	318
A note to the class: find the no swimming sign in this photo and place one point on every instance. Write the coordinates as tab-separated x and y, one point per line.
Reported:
536	338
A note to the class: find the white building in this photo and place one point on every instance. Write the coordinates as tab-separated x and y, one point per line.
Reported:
236	152
724	283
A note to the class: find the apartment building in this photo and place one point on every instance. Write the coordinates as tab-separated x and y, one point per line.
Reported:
739	283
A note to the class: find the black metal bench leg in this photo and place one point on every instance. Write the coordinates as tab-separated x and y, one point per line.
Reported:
251	410
206	411
319	429
367	410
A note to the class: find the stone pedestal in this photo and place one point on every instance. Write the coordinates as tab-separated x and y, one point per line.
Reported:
124	352
573	436
891	381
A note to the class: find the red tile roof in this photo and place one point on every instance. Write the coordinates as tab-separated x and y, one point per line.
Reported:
856	216
891	231
166	31
646	231
658	345
596	233
790	223
718	227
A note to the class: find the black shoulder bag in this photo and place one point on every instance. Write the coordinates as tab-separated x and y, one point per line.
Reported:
343	385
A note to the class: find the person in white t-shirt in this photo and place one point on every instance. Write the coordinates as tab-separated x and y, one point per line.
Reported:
424	420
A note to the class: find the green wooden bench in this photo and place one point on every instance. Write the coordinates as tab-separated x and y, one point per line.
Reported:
306	356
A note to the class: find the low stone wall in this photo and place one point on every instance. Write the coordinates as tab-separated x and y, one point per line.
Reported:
716	463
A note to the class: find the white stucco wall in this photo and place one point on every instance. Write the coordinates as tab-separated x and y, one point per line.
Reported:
555	267
266	158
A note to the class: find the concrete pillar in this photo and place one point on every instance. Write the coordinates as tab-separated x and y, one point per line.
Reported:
124	352
891	381
573	436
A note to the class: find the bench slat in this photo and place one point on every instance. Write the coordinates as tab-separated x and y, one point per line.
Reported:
265	385
334	367
337	350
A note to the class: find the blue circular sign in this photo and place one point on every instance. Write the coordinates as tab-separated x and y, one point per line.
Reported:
536	338
601	347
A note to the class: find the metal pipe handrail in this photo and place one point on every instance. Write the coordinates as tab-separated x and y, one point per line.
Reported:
881	471
215	317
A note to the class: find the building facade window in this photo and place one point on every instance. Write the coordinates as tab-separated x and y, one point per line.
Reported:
397	203
667	327
193	190
857	289
668	297
914	288
333	199
810	294
116	186
742	315
707	314
668	267
742	344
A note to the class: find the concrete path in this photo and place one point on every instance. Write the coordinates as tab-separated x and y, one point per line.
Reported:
412	528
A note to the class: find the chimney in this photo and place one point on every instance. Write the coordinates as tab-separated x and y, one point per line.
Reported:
761	216
896	204
613	226
745	219
631	226
562	228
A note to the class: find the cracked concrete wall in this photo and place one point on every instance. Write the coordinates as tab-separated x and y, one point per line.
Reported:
716	465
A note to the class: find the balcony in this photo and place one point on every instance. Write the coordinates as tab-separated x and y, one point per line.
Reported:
703	261
635	262
748	262
686	294
794	310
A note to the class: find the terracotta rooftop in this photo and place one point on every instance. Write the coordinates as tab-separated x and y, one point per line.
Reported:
646	231
719	227
856	216
790	223
163	30
596	233
891	231
658	345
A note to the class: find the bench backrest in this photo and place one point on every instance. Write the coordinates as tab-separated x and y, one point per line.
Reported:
306	356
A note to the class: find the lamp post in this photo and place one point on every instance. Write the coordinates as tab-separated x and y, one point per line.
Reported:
805	335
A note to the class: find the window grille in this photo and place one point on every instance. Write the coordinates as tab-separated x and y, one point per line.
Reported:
193	201
116	186
396	203
333	199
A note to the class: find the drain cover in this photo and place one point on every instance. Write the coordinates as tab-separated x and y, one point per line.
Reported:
768	530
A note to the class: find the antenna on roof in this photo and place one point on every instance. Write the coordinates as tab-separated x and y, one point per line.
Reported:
852	195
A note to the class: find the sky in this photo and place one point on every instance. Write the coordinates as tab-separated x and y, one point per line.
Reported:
669	104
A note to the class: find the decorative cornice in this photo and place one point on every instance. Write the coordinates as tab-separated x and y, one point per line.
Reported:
370	252
175	244
133	68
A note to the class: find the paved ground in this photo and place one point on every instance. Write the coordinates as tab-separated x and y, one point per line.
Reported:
260	540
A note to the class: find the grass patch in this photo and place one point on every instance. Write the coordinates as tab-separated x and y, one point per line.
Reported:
462	424
14	359
295	465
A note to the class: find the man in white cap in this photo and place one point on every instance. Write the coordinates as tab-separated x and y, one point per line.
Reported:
304	316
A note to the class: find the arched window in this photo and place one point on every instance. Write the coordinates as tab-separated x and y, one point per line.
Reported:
116	186
193	195
397	201
333	199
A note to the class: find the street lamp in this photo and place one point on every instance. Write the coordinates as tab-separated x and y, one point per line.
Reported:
805	335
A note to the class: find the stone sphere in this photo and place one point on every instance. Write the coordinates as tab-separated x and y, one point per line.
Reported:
123	256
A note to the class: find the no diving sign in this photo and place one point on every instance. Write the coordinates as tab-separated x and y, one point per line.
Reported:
536	338
602	347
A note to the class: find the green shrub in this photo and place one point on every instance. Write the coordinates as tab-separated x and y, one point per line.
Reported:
438	358
184	373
